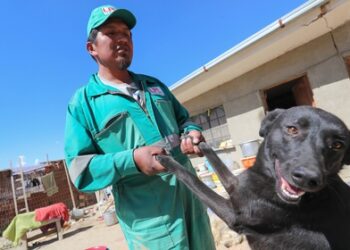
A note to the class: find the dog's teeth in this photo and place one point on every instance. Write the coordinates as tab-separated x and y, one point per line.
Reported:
294	196
289	190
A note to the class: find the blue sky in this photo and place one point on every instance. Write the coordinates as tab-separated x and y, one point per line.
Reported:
43	57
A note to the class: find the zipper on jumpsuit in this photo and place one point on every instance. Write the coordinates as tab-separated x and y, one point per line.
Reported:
143	109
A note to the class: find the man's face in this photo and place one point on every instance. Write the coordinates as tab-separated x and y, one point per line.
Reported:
113	45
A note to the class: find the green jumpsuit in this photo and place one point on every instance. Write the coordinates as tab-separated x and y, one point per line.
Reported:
103	127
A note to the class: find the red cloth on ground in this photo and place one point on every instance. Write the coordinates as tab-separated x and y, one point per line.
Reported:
57	210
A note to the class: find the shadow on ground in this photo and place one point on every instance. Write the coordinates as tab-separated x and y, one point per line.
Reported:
39	244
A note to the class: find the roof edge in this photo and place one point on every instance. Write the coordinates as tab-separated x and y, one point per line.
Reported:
299	11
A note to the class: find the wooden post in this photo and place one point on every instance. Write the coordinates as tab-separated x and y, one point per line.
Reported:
14	197
69	184
21	160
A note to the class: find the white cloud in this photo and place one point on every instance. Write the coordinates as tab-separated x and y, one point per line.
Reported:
37	161
21	160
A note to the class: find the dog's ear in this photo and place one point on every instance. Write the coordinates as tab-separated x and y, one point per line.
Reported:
346	159
268	121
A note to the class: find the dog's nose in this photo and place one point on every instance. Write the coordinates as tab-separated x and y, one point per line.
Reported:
306	178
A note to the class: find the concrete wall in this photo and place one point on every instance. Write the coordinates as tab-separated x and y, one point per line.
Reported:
321	60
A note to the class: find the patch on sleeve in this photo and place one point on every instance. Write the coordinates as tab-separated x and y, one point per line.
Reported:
156	91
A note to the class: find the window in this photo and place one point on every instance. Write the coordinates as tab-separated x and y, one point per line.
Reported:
211	118
214	124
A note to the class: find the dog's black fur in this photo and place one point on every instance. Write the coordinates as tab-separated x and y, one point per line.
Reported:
292	198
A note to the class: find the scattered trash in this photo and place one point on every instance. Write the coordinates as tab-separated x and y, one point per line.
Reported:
77	214
207	179
5	244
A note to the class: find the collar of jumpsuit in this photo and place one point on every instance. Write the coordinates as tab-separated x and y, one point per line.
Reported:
133	89
136	92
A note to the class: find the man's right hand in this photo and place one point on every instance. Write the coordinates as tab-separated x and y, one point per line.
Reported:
145	159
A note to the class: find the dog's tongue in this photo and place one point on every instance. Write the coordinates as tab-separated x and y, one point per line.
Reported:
290	188
284	184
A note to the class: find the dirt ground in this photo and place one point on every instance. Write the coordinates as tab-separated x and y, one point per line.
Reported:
92	231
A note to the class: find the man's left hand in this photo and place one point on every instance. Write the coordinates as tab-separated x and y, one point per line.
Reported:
189	144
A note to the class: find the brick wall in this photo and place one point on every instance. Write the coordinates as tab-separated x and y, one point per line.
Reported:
40	199
6	201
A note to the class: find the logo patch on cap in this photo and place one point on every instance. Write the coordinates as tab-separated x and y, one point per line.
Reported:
107	10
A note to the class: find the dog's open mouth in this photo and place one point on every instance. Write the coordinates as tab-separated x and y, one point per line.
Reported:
286	191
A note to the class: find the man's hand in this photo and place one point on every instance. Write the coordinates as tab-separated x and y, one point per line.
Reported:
145	159
190	141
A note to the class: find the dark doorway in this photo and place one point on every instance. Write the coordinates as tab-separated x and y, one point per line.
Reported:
293	93
347	62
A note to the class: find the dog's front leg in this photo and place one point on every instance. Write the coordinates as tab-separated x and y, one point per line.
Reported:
228	180
219	205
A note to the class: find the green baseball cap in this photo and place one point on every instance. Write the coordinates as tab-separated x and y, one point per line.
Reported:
101	14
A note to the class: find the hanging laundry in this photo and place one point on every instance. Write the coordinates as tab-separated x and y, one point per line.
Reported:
34	185
49	184
35	182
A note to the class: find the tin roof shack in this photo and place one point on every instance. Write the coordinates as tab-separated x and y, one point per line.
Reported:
39	198
301	59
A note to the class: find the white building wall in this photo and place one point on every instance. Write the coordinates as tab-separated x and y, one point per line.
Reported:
321	60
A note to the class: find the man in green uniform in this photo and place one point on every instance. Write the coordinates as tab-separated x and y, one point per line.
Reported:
115	127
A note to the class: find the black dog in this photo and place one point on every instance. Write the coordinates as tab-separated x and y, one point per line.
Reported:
292	198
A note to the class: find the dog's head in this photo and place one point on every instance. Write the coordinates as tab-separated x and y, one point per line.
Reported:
303	146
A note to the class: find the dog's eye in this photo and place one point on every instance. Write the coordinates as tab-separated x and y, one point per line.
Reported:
292	130
336	145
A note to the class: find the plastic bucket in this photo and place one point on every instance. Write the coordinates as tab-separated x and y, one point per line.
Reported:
250	148
248	161
77	213
110	217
